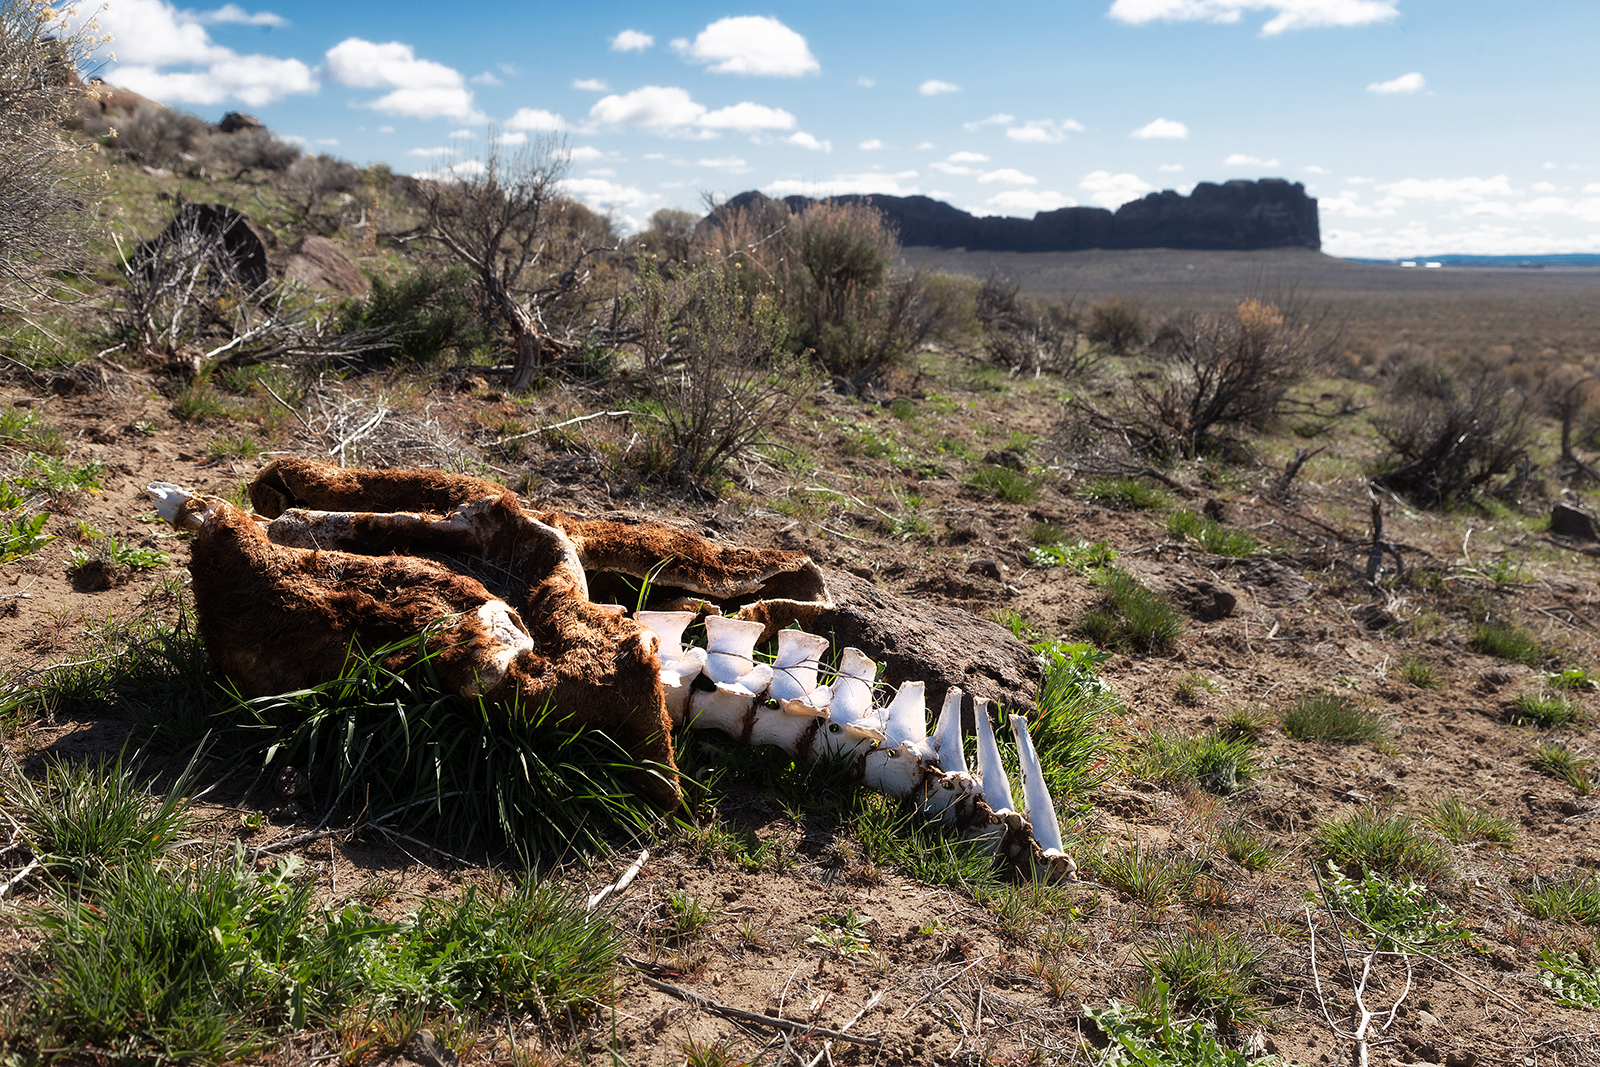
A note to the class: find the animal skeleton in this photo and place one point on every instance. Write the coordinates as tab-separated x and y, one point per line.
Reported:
348	557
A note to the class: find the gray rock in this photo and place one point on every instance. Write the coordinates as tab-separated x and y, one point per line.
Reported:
316	263
1569	521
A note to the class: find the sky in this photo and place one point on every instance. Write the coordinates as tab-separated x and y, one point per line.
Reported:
1423	127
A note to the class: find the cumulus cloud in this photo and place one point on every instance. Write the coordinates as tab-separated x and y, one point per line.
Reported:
752	45
871	144
1114	190
631	41
1289	14
898	184
419	88
1026	202
152	36
802	139
584	153
628	206
1447	190
866	82
466	168
1315	169
233	14
967	157
999	118
951	168
1161	130
590	85
1403	85
1238	159
1170	168
438	150
935	87
670	110
1044	131
1007	176
488	77
730	164
537	119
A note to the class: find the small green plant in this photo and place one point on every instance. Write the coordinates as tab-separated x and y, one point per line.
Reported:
1192	526
1193	688
1020	627
1396	915
1083	556
1419	673
21	535
1130	614
1505	640
1208	973
111	552
1559	761
1047	533
1128	493
56	478
1571	979
1009	485
1218	765
843	935
1572	678
1329	716
1246	847
1246	722
1148	1035
893	834
1548	711
1390	845
1461	824
234	446
687	918
1569	900
722	1052
198	401
1153	878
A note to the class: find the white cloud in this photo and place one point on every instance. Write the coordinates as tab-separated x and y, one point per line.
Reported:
805	140
1007	176
1361	181
1447	190
1314	169
730	164
254	80
871	182
1240	160
1290	14
671	110
871	144
967	157
631	41
456	135
751	44
439	150
328	142
951	168
1161	129
584	153
235	15
1114	190
1543	187
486	78
451	172
934	87
420	88
925	145
385	129
866	82
1170	168
590	85
1592	187
512	140
1405	84
1044	131
746	117
537	119
999	118
628	205
1027	202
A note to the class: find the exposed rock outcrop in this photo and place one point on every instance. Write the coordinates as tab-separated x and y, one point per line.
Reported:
316	263
234	121
1269	213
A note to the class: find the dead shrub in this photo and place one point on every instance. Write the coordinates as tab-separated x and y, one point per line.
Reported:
153	136
1117	324
1029	338
310	183
1451	435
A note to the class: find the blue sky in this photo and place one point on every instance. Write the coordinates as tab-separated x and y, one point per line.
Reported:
1423	126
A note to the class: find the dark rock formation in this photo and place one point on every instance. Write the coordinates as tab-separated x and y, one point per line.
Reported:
917	640
227	230
316	263
234	121
1569	521
1269	213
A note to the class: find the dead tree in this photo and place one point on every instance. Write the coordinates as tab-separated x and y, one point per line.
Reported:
504	223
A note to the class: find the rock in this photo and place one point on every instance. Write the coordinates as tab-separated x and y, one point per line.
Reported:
316	263
1007	457
1569	521
1427	1018
922	641
430	1052
1268	581
234	121
106	99
1269	213
244	243
1218	511
989	568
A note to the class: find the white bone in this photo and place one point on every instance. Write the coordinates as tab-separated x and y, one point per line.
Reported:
897	771
947	743
906	717
677	680
794	673
723	708
996	787
730	647
169	500
852	690
1040	809
668	626
778	726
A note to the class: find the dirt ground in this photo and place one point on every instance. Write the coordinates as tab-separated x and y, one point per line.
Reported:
942	978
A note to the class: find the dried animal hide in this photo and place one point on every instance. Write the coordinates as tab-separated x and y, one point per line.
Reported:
343	557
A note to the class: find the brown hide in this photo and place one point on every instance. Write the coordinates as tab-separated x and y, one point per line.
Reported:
308	483
277	617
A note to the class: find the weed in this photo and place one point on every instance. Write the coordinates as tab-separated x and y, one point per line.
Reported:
687	918
1419	673
1571	979
1218	765
1083	556
1571	900
1559	761
1571	679
716	840
1247	848
1396	915
1548	711
1243	722
1014	487
21	536
1390	845
1021	909
1152	878
110	552
56	478
1192	526
1047	533
719	1053
1130	615
1192	688
1128	493
1505	640
1020	627
903	408
1149	1035
1209	973
1071	723
1460	824
1329	716
198	401
843	935
234	446
894	834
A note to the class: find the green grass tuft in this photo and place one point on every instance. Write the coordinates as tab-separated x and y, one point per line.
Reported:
1329	716
1247	848
1548	711
1390	845
1570	900
1219	765
1155	879
1129	493
1082	557
1009	485
1419	673
1130	615
1461	824
1506	640
1559	761
1192	526
1208	973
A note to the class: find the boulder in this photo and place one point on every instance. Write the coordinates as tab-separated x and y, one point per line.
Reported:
920	641
316	263
234	121
1569	521
107	99
233	234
